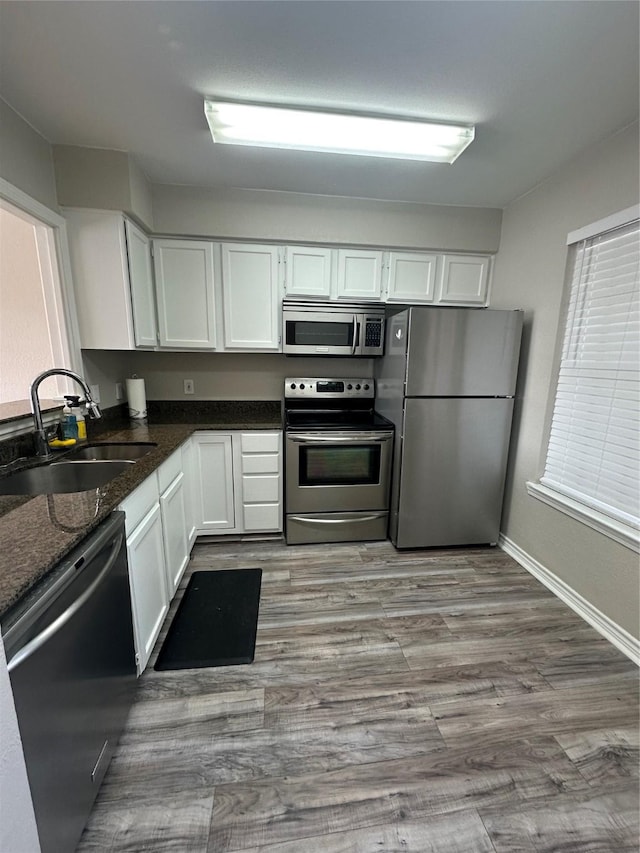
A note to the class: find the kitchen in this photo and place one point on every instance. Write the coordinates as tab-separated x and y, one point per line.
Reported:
525	231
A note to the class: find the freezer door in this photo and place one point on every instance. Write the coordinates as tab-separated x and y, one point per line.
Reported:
462	352
454	457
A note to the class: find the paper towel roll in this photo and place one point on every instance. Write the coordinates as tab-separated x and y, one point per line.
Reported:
137	398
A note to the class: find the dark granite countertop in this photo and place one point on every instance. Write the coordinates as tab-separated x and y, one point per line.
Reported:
37	532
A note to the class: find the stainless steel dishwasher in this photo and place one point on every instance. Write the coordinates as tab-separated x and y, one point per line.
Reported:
72	668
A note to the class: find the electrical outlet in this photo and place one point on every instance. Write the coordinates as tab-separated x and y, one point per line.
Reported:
119	391
189	386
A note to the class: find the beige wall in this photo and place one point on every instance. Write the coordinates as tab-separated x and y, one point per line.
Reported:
529	273
295	217
103	179
216	376
26	160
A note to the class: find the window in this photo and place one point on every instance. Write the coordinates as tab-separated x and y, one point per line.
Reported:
36	310
592	467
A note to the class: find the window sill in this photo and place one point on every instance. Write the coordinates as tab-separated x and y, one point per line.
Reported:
16	417
624	534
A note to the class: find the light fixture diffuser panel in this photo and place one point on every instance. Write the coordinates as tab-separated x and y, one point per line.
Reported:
337	133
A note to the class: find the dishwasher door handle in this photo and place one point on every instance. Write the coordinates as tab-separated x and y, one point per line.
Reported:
40	639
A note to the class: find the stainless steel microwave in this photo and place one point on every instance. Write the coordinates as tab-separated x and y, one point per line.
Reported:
330	328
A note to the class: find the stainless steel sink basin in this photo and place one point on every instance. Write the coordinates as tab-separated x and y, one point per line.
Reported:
129	451
64	476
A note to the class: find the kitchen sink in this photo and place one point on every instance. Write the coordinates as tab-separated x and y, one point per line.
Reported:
63	476
128	452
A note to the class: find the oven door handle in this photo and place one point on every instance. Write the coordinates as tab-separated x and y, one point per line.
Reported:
304	519
300	438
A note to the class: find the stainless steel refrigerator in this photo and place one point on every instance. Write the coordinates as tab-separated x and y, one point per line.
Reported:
447	381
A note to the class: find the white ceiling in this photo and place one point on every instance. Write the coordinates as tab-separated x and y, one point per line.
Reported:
541	80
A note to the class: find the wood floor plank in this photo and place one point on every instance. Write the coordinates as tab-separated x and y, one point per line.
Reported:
610	703
605	755
275	811
438	700
462	833
150	825
607	824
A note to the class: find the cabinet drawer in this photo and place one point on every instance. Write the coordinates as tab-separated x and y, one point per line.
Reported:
169	470
262	517
261	463
260	442
260	489
139	502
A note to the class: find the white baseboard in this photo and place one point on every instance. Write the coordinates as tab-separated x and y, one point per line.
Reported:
609	629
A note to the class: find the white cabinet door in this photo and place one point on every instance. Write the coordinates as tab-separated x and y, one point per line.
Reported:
187	452
359	274
464	279
411	277
141	281
149	595
308	271
213	460
174	531
103	276
185	293
251	293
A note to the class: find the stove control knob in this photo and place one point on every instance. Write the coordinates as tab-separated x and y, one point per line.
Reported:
301	385
293	386
349	387
366	387
358	387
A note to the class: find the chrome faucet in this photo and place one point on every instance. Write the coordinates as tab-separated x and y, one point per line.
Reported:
42	445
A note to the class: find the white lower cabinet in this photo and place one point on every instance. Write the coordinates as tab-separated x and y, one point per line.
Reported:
171	481
213	458
147	566
240	481
158	548
214	483
188	469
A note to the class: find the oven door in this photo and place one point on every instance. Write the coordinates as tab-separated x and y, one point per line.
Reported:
320	333
333	471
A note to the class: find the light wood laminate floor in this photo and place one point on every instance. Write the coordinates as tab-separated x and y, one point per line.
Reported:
399	701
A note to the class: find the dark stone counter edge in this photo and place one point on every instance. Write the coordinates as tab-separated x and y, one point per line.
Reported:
168	437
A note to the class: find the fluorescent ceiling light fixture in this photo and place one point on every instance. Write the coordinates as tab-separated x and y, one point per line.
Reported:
338	133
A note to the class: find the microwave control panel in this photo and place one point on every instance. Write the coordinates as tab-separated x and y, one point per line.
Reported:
373	332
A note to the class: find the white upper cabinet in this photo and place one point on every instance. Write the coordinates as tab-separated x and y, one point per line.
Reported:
464	280
141	280
309	271
251	293
411	277
359	274
112	280
185	293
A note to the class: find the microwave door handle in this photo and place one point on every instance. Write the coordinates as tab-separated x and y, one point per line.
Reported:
355	334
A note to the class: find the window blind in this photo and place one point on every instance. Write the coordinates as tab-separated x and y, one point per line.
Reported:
593	453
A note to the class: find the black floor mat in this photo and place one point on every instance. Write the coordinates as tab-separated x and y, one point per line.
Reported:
216	621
